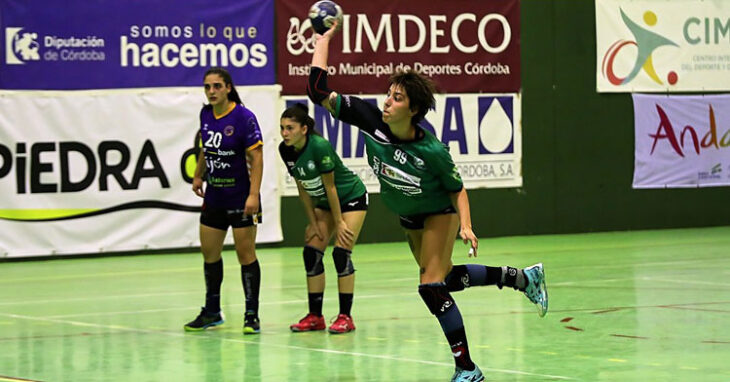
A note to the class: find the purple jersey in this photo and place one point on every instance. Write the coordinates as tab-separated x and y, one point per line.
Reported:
225	140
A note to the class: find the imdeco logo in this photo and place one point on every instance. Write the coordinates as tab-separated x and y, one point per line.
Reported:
20	46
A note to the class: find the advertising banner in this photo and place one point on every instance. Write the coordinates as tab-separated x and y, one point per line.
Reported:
466	46
483	133
681	141
662	46
126	44
102	171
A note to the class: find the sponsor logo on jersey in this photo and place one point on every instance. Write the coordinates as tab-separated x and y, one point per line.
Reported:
313	186
455	174
252	123
399	175
376	164
216	164
410	190
221	182
418	163
226	153
229	130
311	166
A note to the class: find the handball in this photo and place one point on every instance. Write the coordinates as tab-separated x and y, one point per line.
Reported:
323	14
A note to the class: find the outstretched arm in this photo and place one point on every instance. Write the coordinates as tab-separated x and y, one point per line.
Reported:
317	88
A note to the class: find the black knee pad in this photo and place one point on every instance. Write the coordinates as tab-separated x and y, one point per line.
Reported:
457	279
437	298
313	261
343	262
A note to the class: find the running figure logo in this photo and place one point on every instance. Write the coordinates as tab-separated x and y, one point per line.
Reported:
646	43
20	47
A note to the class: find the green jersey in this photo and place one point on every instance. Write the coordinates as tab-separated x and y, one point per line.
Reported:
317	158
416	177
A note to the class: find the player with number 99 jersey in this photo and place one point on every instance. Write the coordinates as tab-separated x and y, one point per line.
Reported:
416	177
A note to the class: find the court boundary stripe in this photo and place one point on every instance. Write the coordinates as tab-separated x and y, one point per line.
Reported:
6	378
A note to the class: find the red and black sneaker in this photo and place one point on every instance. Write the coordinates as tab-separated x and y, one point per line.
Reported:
343	324
309	323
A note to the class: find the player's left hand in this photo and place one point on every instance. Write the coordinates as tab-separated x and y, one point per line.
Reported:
344	235
252	205
198	187
468	236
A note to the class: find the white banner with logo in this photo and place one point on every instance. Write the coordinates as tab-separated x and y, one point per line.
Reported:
101	171
483	133
662	46
681	141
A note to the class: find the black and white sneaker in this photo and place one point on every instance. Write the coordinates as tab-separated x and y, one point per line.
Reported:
251	324
204	321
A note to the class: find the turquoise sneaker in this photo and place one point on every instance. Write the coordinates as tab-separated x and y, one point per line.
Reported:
461	375
536	290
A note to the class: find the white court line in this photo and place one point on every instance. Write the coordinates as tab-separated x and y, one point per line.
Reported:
107	297
259	343
630	264
105	274
188	307
592	281
145	295
684	281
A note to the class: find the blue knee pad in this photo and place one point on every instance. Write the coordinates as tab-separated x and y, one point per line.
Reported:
313	261
442	305
457	279
343	262
437	298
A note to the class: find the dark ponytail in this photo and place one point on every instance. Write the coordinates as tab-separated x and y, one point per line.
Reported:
233	94
300	114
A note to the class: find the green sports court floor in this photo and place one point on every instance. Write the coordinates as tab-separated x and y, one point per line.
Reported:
624	306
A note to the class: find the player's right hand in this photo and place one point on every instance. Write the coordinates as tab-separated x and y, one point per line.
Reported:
311	231
198	187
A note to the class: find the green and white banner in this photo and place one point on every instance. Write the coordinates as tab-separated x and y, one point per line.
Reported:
109	170
482	131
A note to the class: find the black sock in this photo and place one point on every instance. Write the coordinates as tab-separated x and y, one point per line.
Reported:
251	280
506	276
465	276
460	348
345	303
213	279
442	305
315	303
